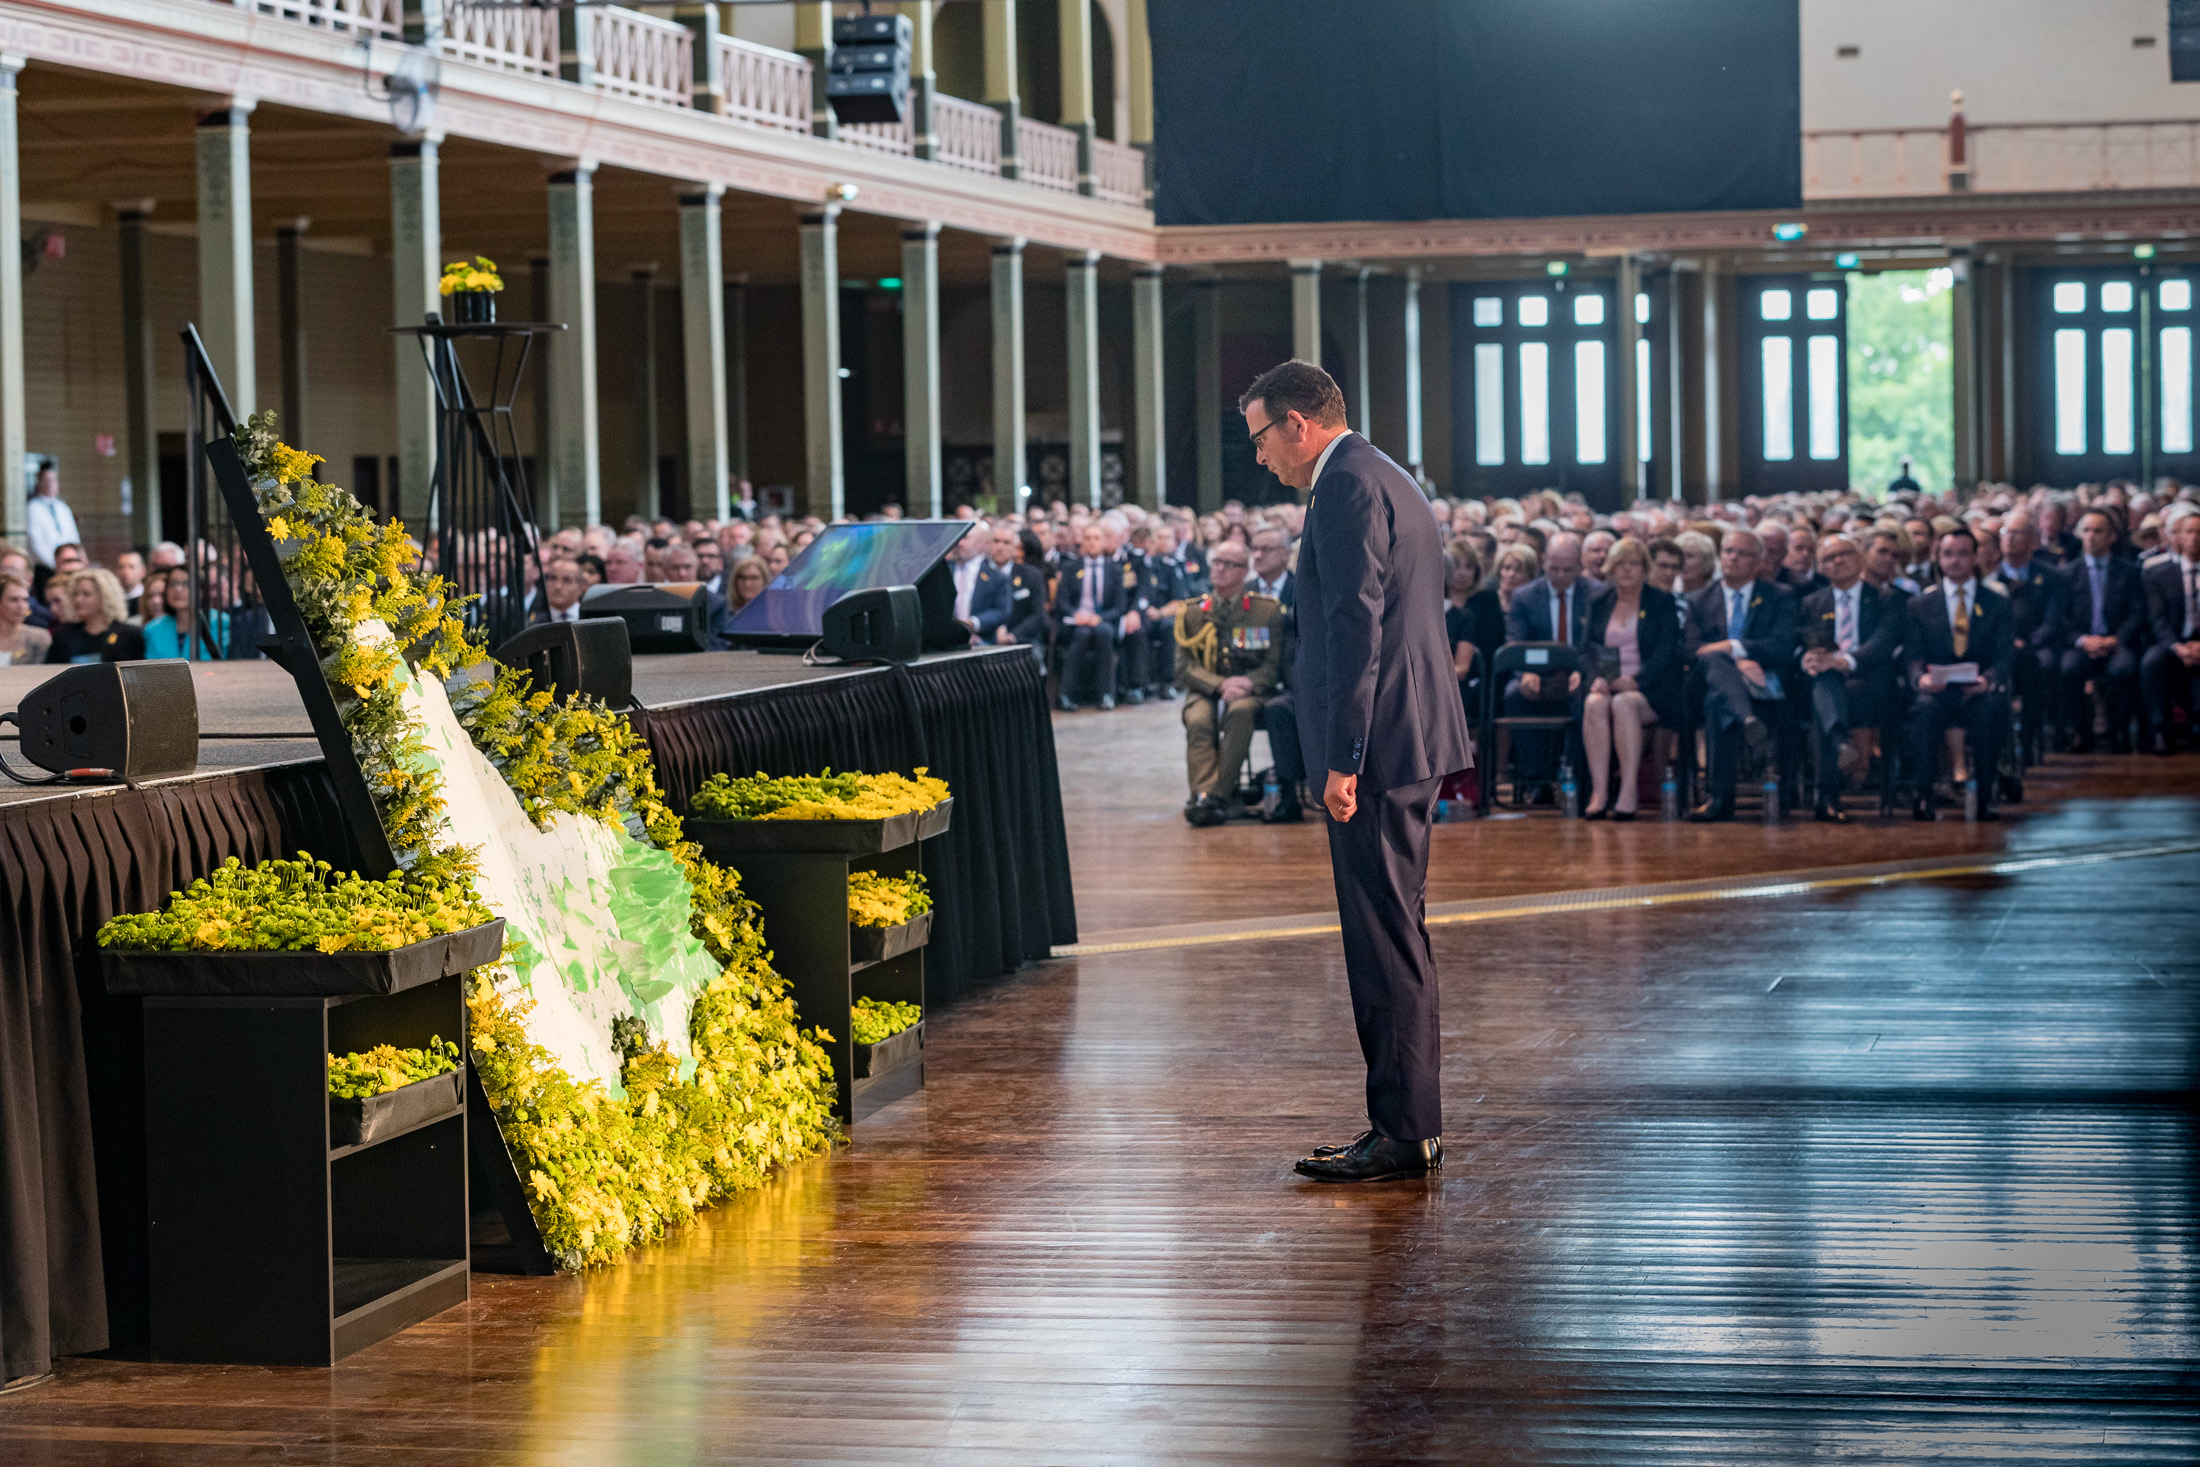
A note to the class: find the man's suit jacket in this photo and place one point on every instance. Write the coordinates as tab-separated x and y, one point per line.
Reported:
2165	588
1529	617
2033	594
1881	619
992	599
1111	598
1376	693
1802	586
1768	635
1287	592
2123	600
538	614
1657	643
1932	637
1027	617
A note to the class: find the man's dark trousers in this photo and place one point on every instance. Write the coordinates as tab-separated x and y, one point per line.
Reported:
1380	862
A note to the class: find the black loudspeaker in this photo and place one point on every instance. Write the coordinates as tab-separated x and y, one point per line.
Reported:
667	618
591	657
877	624
136	720
867	79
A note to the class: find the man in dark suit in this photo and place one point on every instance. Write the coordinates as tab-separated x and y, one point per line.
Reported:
562	584
1741	638
1850	635
984	592
2172	662
1089	603
2103	611
1554	607
2034	591
1149	585
1381	724
1272	576
1958	619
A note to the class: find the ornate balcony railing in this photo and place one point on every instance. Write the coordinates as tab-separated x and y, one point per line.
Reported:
1994	157
383	19
1046	155
640	56
970	135
879	137
764	87
1118	173
505	38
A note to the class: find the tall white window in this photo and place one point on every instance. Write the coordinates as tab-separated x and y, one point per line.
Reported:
2176	295
2119	428
1535	310
2069	388
1588	402
2116	296
2176	387
1489	403
1823	303
1779	365
1642	305
2069	296
1642	397
1535	402
1824	357
1776	305
1589	309
1489	310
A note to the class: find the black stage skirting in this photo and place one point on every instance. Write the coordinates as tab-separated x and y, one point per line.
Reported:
72	1220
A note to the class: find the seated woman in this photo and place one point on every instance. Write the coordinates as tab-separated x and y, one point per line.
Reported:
1517	564
20	643
167	633
745	584
1636	620
1474	624
98	632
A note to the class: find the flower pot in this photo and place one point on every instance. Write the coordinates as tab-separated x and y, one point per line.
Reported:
905	1047
301	974
730	840
877	944
361	1120
473	307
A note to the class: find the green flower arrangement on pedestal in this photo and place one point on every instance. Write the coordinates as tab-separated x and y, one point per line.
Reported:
886	901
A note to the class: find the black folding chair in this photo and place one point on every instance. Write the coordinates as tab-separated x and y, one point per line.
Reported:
1547	660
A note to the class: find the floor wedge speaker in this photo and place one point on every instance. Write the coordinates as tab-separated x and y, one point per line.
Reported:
876	624
591	657
139	720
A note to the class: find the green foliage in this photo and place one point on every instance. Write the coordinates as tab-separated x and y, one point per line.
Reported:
1901	378
386	1067
872	1021
290	906
886	901
826	796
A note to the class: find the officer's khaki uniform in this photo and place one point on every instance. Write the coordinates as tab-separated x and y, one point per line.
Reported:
1217	639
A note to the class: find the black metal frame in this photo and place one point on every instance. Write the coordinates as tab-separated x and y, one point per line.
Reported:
208	523
1510	659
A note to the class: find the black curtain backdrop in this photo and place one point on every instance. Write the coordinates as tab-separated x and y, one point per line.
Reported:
73	1268
1283	111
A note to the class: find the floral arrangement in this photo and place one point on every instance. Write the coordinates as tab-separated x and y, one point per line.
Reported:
886	901
874	1022
469	276
826	796
386	1067
292	906
603	1172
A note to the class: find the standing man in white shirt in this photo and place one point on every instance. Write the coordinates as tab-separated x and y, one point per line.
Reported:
1851	634
50	522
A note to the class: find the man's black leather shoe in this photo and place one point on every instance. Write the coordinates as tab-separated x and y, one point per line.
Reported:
1923	810
2161	743
1135	696
1830	814
1065	704
1712	811
1374	1157
1287	812
1206	812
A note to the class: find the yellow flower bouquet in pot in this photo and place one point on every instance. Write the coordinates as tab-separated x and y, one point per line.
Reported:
470	291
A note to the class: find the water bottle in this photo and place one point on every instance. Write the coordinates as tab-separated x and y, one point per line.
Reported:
1970	799
1772	801
1443	812
1271	792
1569	793
1669	798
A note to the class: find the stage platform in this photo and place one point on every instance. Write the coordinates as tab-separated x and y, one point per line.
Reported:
1788	1145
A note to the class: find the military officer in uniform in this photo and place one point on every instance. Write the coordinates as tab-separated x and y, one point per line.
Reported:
1229	652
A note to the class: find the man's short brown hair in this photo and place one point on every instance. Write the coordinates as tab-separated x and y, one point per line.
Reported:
1297	387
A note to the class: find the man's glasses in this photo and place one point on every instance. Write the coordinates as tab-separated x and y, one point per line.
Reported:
1254	438
1218	562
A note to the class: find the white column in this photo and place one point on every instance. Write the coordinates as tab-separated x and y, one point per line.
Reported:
1008	370
1076	70
225	252
139	373
1000	84
14	439
825	482
1629	421
1362	363
1207	408
1413	374
920	368
703	349
1713	435
576	484
1150	461
1306	310
416	242
1081	277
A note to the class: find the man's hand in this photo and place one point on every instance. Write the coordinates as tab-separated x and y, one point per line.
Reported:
1817	660
2097	646
1600	686
1341	797
1000	635
1234	688
1752	673
1131	623
2188	653
1531	685
1085	619
1930	681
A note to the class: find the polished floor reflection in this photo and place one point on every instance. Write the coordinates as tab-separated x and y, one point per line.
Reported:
1889	1175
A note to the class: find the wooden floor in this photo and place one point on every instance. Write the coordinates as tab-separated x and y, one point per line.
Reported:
1881	1174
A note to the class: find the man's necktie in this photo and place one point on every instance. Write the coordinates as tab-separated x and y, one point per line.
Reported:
2098	574
1844	623
1737	613
1565	618
1963	621
2192	599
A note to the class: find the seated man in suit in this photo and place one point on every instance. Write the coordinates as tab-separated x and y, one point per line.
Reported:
1851	634
2172	663
984	592
678	564
2033	588
1741	637
1554	607
1021	555
1956	620
562	584
2103	610
1089	603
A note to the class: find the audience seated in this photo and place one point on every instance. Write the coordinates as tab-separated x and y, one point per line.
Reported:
1956	624
1741	639
1632	629
1552	608
1851	633
2172	657
2103	608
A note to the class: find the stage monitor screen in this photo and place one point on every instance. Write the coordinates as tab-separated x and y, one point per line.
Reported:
843	558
